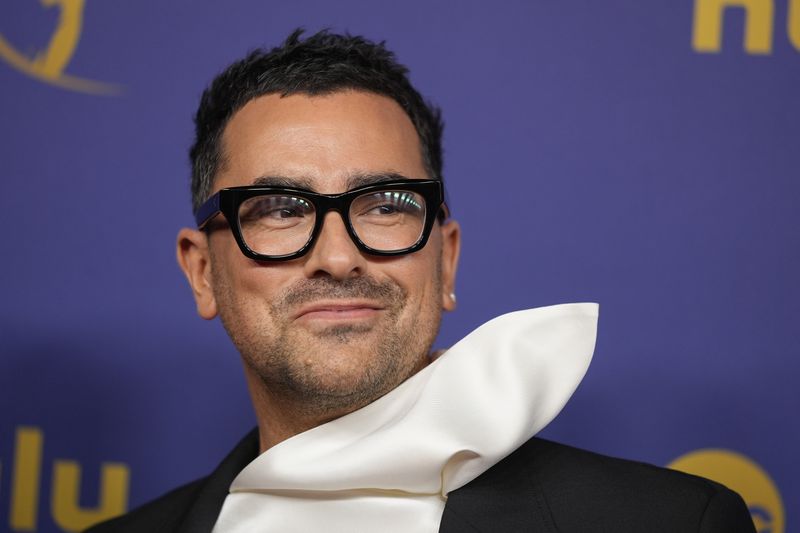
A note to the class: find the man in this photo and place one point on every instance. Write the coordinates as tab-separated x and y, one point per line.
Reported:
324	245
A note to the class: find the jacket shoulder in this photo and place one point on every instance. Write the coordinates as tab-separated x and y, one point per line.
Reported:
164	513
192	507
609	493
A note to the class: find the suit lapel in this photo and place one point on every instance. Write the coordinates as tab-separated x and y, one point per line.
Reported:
203	513
505	498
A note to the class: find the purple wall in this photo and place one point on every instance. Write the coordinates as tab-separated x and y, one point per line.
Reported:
636	171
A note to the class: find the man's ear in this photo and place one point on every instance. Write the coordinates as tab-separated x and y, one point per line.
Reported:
451	247
195	261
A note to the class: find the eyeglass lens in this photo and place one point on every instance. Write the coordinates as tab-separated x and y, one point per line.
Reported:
280	224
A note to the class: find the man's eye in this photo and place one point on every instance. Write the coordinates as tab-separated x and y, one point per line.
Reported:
390	203
386	209
274	209
285	212
271	213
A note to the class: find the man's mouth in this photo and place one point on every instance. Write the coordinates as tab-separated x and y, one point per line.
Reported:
338	310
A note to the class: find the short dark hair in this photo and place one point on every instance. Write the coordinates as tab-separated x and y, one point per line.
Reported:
320	64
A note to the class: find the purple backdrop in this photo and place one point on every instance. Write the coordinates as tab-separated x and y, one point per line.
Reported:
638	171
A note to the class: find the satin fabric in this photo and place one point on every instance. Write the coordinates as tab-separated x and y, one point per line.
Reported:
389	466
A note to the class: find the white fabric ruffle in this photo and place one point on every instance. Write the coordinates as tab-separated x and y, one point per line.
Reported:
389	466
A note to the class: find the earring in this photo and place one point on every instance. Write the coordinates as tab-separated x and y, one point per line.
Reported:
453	296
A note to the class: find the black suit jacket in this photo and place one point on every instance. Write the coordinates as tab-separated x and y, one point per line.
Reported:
541	487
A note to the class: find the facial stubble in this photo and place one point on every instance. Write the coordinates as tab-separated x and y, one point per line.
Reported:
338	368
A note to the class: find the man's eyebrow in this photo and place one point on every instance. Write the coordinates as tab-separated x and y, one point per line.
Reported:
284	181
361	180
353	182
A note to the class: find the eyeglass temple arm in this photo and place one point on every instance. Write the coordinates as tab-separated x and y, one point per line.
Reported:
207	211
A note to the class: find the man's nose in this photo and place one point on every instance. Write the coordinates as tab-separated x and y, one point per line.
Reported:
334	254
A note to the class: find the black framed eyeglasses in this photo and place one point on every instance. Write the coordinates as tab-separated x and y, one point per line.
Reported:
279	223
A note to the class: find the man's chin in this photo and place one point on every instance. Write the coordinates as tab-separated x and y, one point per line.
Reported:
343	332
341	365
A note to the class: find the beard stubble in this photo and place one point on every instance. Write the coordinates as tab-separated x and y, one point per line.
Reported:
291	361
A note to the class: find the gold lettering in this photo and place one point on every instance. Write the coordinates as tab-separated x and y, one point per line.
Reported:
26	479
708	15
113	491
793	23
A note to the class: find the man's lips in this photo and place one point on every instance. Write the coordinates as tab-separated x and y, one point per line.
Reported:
338	310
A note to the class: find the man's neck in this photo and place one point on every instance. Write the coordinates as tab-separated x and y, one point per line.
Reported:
282	415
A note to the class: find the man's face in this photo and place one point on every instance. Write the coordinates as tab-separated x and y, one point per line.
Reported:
336	328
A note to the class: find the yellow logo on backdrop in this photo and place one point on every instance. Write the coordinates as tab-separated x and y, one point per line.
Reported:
743	475
66	486
49	64
758	27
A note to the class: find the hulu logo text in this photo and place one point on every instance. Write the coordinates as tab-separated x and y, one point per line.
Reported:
759	26
64	495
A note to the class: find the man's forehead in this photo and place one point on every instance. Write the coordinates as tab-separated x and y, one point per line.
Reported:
328	143
299	115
